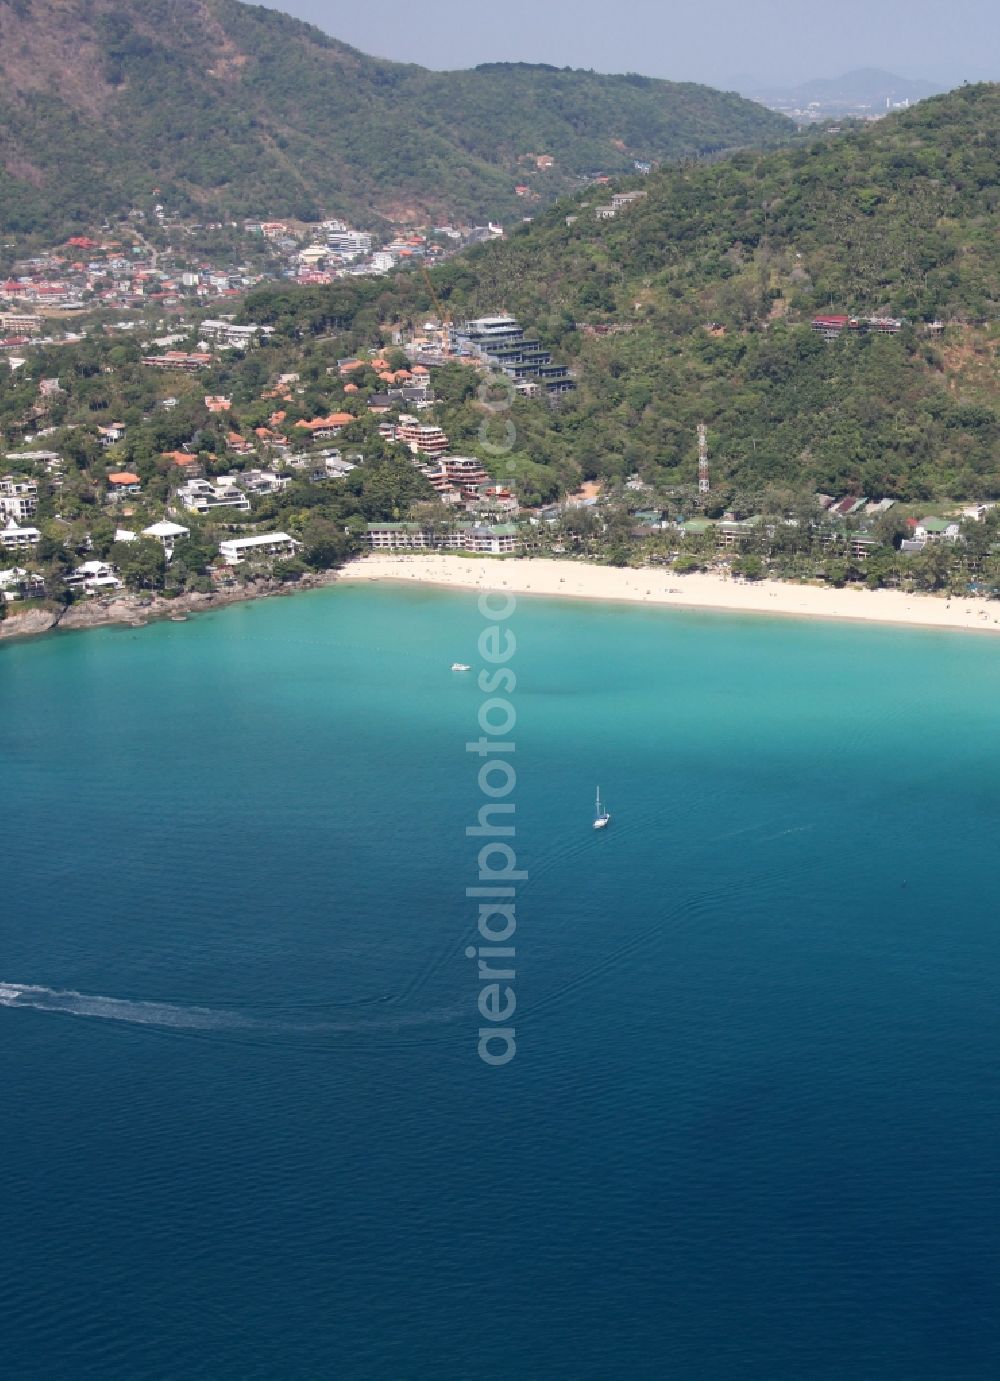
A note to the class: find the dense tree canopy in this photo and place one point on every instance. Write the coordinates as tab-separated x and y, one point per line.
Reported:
705	289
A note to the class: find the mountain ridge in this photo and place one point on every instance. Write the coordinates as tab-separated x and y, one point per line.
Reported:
229	108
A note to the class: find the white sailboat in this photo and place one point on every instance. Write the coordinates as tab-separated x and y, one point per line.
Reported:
602	817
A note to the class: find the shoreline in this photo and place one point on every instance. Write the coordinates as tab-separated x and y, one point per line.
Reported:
136	611
665	589
545	578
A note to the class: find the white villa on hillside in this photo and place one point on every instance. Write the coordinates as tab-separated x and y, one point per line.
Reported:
202	496
93	577
12	537
167	534
17	583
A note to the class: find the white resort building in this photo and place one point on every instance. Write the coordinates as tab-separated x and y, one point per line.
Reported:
498	540
239	549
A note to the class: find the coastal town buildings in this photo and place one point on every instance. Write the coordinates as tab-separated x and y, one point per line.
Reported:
263	419
117	268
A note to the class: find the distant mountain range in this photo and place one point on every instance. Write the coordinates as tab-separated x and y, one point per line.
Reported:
216	107
867	87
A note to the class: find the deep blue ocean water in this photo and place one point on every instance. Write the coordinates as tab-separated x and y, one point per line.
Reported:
752	1128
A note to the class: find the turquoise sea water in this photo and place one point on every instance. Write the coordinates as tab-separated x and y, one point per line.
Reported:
752	1127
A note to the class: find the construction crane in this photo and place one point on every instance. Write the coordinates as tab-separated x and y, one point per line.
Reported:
703	481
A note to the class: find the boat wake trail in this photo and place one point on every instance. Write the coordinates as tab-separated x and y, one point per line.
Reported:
177	1017
75	1004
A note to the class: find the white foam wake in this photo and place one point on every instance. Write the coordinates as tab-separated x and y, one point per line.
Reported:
169	1014
71	1003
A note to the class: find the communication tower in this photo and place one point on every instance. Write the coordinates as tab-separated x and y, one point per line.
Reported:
703	482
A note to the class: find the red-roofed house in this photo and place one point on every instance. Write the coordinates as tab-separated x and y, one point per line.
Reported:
124	482
325	427
830	326
272	438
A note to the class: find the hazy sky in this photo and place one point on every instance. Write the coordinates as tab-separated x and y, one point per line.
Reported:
697	40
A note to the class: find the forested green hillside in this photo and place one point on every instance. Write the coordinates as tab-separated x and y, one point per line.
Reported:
899	216
712	281
214	107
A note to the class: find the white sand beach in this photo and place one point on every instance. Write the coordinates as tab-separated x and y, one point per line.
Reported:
580	580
